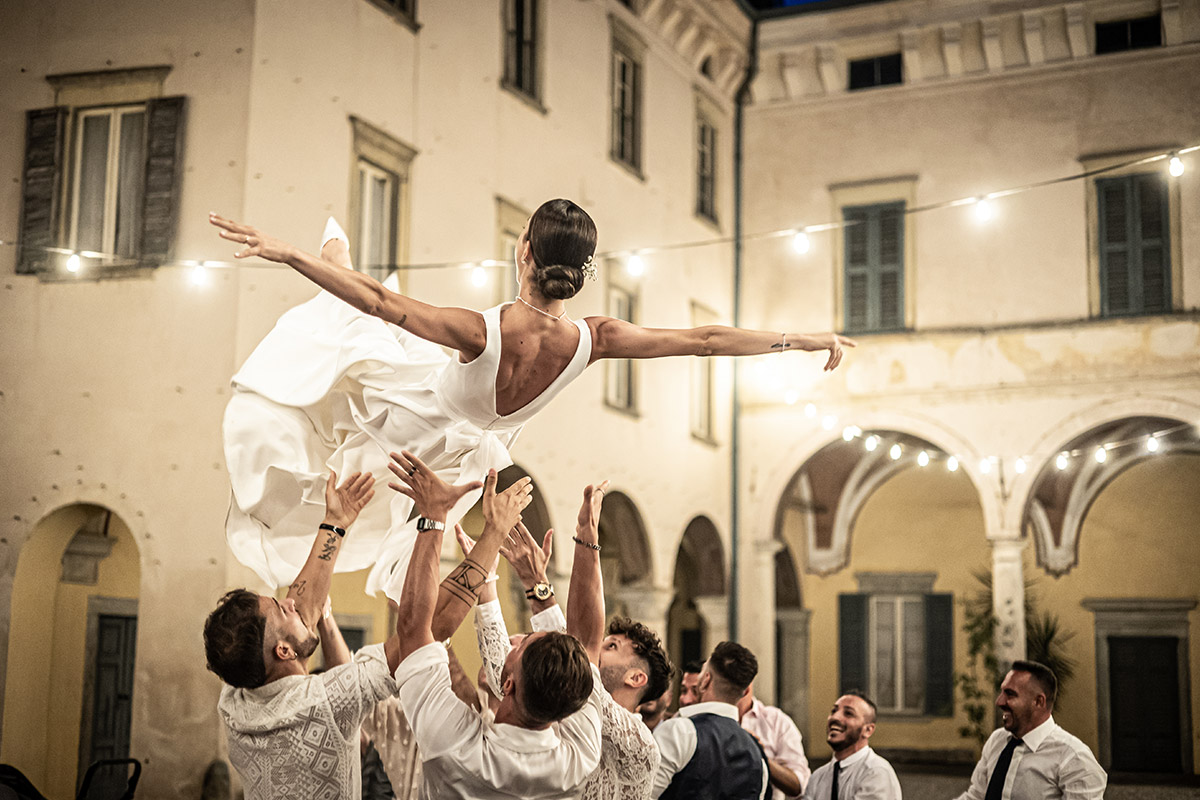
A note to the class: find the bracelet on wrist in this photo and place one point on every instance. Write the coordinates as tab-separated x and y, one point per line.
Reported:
325	526
491	578
577	540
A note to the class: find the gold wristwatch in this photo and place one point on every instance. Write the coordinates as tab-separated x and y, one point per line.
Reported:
540	591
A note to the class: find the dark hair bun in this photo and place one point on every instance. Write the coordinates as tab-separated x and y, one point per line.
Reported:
561	237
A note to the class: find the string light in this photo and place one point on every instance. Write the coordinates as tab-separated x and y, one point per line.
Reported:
1152	444
73	263
800	242
1061	461
199	276
1175	166
850	431
478	276
1101	455
985	466
635	266
828	421
923	459
1019	466
871	443
791	397
952	463
984	210
810	410
895	451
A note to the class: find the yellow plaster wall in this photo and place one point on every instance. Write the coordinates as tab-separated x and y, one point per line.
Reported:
43	698
918	521
1140	539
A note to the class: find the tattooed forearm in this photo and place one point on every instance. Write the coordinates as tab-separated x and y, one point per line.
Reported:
328	547
465	581
782	346
400	322
298	587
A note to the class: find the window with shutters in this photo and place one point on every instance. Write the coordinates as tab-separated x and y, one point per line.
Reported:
706	165
1133	233
626	124
378	199
873	257
620	377
101	179
522	33
703	381
1134	244
899	648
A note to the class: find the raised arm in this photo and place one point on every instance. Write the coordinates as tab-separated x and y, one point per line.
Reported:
615	338
334	650
585	604
310	590
460	329
530	561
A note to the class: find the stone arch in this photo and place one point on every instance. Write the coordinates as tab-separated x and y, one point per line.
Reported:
699	611
74	594
791	638
1066	486
701	546
625	545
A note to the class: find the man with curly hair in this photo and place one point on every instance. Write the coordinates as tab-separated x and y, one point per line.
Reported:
629	661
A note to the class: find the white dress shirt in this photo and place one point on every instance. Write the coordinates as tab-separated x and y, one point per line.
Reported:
865	775
676	739
1049	764
780	739
469	758
628	753
298	736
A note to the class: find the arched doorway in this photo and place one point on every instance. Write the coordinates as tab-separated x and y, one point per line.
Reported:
624	554
791	639
72	647
699	615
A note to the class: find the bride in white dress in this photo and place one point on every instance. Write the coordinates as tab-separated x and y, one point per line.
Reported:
340	385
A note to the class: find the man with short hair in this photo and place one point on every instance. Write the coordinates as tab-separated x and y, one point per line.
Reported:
856	771
629	663
782	743
705	752
1030	756
689	693
545	740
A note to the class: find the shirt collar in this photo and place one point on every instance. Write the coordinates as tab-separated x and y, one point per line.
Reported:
711	707
521	740
1034	739
755	709
850	761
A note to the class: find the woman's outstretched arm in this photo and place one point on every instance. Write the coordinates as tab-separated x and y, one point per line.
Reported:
615	338
457	328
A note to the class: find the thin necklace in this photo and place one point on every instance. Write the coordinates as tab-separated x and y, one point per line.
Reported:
540	311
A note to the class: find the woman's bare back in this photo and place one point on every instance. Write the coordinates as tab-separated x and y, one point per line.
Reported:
534	351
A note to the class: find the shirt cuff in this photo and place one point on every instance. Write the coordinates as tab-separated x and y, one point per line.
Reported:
431	655
550	619
488	612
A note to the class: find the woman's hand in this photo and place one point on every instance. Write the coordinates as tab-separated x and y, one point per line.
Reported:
342	503
256	242
831	342
432	496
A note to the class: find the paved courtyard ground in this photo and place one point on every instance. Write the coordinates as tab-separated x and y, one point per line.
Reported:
918	784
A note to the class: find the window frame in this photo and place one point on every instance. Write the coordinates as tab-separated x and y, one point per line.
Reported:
876	63
702	412
1111	163
627	45
376	148
1156	14
510	220
875	192
628	404
706	118
368	171
898	654
110	217
512	78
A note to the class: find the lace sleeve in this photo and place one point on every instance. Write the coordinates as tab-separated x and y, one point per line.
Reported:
634	752
493	642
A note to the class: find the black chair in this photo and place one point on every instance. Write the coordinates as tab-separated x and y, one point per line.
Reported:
130	784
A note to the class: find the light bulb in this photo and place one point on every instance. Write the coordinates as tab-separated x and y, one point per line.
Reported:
871	443
1061	461
478	276
800	242
810	410
923	459
850	431
635	266
199	276
952	463
985	465
791	397
1175	166
984	210
1101	455
1019	466
1152	444
828	422
895	452
73	263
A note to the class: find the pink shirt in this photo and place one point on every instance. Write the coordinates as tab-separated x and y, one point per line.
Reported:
780	740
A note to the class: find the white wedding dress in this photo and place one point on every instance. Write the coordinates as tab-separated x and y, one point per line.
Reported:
333	388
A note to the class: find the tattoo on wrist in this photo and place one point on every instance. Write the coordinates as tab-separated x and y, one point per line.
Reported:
402	320
298	587
466	580
328	547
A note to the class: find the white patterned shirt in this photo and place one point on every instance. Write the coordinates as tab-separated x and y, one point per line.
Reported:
628	752
1049	764
298	736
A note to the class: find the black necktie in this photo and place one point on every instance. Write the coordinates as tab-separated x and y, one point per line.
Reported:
996	784
837	769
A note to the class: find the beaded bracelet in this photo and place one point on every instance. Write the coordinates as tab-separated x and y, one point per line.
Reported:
595	547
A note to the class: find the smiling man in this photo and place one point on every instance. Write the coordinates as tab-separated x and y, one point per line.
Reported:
856	770
1030	756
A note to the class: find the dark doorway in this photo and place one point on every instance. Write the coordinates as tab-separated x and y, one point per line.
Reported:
1144	695
112	705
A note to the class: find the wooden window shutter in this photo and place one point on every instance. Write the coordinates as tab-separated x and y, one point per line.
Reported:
1135	269
853	618
858	265
41	187
939	655
164	171
1151	199
1113	201
891	267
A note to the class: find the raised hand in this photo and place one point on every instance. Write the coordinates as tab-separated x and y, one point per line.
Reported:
256	242
432	496
342	503
467	544
834	344
588	524
503	510
528	559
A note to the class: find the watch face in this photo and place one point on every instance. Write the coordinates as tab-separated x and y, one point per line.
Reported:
542	591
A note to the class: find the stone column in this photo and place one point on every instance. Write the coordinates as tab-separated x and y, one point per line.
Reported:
1008	600
714	610
756	617
648	605
793	665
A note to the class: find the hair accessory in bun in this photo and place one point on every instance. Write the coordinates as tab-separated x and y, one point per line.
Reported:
589	269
